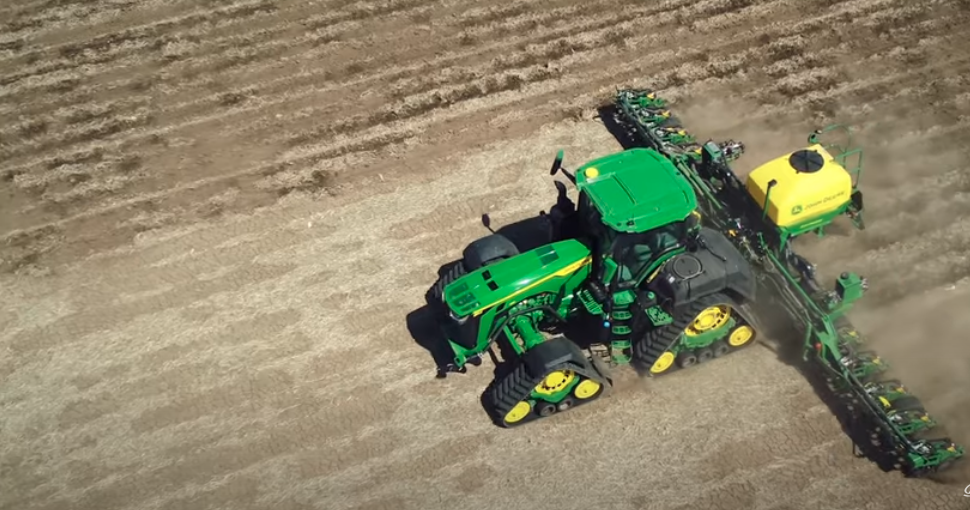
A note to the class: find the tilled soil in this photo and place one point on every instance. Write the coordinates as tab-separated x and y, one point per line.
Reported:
219	219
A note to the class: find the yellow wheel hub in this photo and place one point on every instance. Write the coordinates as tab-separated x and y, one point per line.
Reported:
709	320
665	361
741	336
555	381
521	410
586	389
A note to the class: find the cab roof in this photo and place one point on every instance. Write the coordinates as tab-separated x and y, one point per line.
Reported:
636	190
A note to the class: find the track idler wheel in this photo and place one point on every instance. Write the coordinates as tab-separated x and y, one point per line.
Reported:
588	389
664	363
740	337
518	412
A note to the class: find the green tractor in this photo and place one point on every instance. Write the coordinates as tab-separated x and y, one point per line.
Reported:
668	260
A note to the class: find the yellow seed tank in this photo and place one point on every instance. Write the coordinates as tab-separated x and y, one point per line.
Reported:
809	184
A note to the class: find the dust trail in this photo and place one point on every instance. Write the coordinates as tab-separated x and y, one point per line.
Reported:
923	334
924	337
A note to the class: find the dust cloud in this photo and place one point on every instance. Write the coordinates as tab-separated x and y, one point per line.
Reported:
917	315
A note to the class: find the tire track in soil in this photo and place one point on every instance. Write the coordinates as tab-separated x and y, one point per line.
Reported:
392	139
105	48
214	449
177	62
193	106
247	70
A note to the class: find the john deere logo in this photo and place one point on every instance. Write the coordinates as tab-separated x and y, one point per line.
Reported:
796	210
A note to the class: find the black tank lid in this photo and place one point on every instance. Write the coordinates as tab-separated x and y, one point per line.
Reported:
806	161
687	266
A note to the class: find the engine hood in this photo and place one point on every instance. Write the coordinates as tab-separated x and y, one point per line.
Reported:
486	287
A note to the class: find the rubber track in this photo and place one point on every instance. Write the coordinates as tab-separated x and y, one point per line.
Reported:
657	341
518	384
436	294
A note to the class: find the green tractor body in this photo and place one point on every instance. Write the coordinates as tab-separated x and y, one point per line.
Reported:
666	261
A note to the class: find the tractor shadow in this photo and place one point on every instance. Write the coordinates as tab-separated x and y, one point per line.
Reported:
424	331
526	235
422	324
423	327
858	429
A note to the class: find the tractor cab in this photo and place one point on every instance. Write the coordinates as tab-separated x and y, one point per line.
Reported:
635	210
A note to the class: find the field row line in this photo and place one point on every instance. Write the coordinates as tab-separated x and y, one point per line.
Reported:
508	100
194	105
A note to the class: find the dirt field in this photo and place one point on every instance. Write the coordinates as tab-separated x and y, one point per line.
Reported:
217	216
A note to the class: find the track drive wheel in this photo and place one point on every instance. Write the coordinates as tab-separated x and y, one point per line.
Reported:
659	348
550	378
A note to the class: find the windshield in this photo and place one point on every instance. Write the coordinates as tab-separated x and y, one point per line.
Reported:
635	252
599	237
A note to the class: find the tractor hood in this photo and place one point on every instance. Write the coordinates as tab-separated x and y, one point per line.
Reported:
486	287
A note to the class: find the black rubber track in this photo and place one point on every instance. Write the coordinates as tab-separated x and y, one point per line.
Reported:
655	342
517	385
436	294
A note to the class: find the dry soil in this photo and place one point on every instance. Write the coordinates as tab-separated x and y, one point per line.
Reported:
217	216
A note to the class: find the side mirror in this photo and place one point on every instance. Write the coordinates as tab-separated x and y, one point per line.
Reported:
557	164
487	221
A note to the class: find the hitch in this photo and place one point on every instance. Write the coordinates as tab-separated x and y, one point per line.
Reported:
450	367
443	371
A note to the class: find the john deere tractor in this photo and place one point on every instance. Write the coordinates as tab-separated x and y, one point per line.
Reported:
668	260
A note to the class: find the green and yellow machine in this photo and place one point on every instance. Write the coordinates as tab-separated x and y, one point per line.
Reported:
669	260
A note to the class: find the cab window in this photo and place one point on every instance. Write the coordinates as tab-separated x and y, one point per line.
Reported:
635	252
600	237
